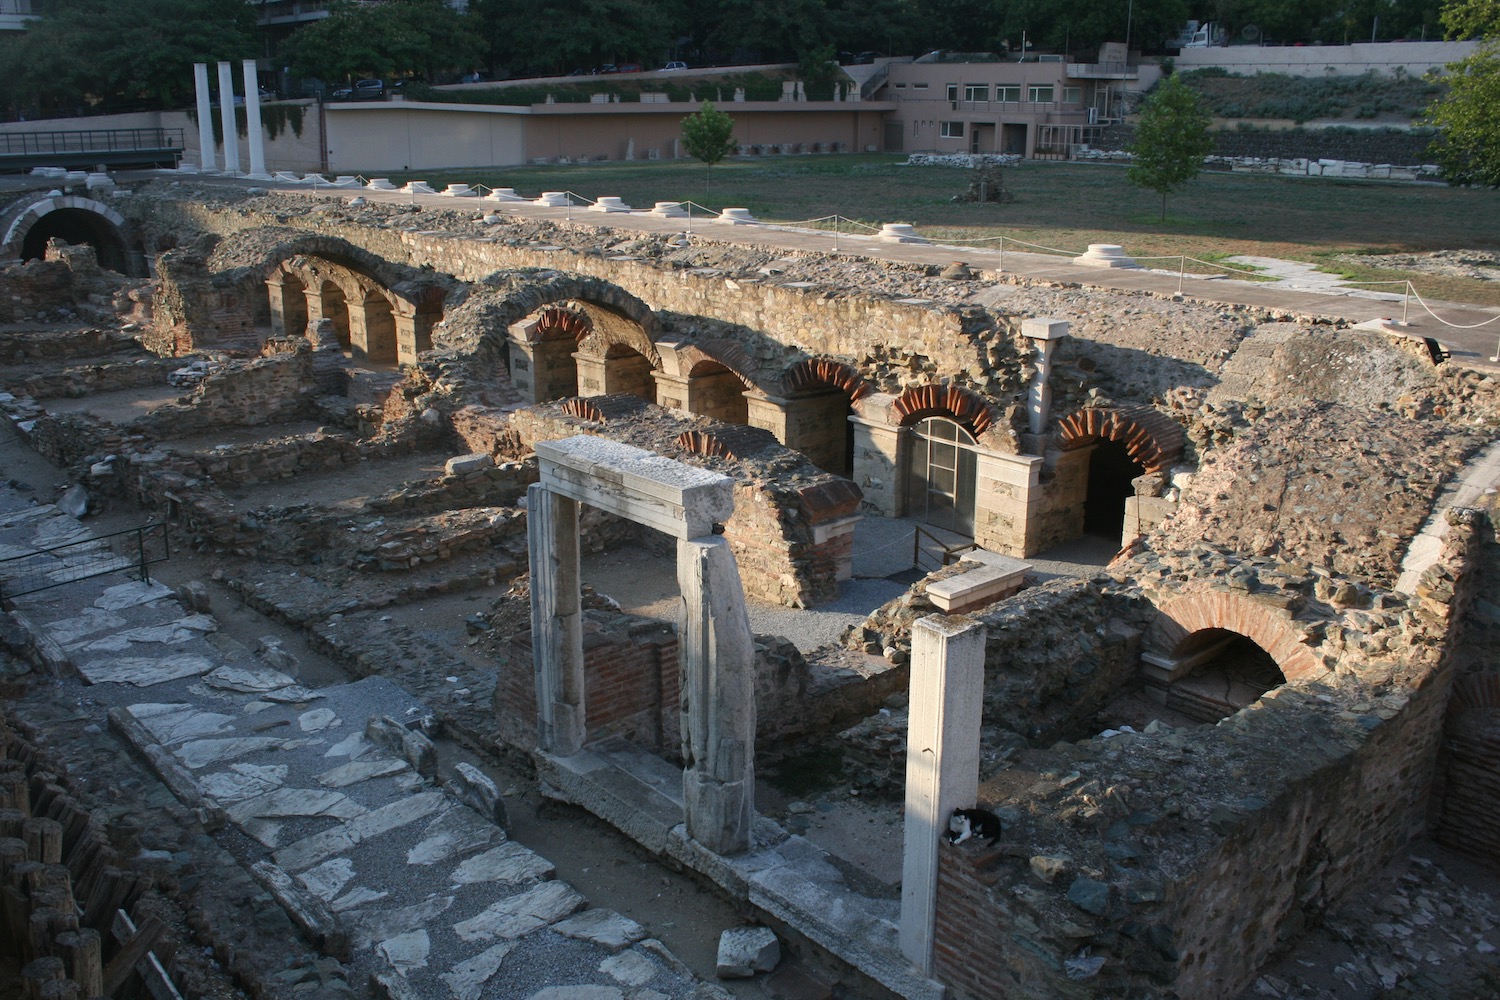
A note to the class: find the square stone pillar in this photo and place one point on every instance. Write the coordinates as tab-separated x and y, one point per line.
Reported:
1044	335
816	425
413	333
942	762
673	391
542	370
372	328
1008	503
877	465
717	657
556	620
602	376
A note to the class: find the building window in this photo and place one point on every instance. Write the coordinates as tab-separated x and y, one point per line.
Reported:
1041	95
919	86
1011	94
914	127
952	91
1072	95
900	86
952	130
976	92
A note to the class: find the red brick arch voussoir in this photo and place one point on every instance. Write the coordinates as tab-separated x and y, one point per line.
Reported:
1181	617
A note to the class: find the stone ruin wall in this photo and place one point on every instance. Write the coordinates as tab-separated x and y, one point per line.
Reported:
1158	848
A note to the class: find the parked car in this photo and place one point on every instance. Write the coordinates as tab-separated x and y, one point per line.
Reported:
369	90
628	68
671	66
342	94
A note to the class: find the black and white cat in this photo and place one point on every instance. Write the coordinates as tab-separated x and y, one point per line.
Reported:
966	823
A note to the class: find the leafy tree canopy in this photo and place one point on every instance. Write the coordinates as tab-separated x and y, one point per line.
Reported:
1472	18
118	53
394	38
1171	140
708	134
1468	120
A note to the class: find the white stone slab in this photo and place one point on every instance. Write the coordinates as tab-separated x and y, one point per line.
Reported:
398	814
167	634
1105	255
351	746
286	803
201	753
326	880
368	926
504	194
406	952
460	191
242	781
553	199
609	203
678	499
605	928
899	232
669	210
466	981
737	217
508	864
144	671
361	896
520	915
317	720
360	770
381	184
130	595
93	620
418	187
457	832
630	967
578	993
248	680
187	723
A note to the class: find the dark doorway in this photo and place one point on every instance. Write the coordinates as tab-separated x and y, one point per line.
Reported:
79	226
1110	471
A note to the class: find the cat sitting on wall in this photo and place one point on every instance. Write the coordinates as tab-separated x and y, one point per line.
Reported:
966	823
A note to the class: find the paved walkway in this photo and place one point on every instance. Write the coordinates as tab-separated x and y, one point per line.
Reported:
1458	330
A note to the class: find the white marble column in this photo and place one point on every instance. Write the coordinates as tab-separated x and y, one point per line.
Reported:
942	762
226	117
252	123
206	159
717	657
557	621
1044	335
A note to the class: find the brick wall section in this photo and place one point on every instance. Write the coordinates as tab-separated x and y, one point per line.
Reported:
269	390
632	685
27	346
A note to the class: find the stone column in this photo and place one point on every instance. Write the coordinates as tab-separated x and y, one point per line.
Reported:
717	658
557	621
413	332
252	123
226	117
1044	335
942	762
206	157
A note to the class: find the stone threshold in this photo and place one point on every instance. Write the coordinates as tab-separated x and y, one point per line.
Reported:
784	875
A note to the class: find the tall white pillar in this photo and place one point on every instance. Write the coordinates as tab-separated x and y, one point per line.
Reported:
226	116
1044	335
252	122
942	762
206	158
557	621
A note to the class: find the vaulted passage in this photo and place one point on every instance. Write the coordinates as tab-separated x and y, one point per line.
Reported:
79	226
1111	468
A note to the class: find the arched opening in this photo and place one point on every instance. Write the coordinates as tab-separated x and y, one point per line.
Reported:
1111	469
80	226
372	328
625	370
1217	673
288	304
820	396
335	307
717	392
941	475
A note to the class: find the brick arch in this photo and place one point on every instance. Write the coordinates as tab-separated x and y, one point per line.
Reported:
1181	617
313	272
723	355
508	297
817	373
733	442
961	405
603	409
1150	437
285	244
22	216
558	323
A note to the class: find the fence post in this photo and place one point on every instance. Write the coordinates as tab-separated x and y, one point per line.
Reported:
1181	270
835	232
140	541
1002	255
1405	302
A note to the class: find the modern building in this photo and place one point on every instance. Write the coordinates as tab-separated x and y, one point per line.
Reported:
1040	107
15	13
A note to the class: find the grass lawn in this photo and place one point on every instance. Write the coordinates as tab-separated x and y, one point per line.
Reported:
1067	206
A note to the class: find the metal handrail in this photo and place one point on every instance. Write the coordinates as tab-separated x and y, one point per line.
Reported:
99	140
85	559
950	552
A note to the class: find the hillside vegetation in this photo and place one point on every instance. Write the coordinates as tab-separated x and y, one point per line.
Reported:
1368	97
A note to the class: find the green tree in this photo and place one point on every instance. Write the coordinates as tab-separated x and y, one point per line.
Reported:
1472	18
386	39
1468	120
1171	140
113	54
708	135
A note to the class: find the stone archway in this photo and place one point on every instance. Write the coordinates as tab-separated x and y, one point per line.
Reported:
72	219
1101	453
812	412
1170	645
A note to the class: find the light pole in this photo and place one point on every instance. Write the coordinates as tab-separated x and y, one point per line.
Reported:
1129	19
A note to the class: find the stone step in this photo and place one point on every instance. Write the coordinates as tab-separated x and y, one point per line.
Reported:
992	578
